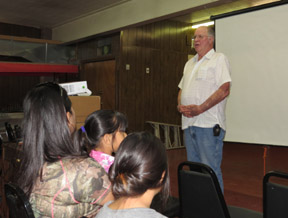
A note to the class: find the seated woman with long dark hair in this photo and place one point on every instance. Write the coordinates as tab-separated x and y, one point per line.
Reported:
57	178
139	172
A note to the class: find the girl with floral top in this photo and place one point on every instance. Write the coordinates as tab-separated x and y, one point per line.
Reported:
101	135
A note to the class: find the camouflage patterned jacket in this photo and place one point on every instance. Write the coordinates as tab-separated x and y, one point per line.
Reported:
70	188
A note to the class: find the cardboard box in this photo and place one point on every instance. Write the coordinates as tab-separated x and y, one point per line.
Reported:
83	106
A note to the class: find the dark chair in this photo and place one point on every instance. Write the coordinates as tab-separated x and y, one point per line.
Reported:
17	201
171	209
275	195
200	194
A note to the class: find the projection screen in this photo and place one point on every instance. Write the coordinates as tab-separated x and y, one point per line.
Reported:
256	44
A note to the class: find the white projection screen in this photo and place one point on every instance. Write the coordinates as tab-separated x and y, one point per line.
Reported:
256	44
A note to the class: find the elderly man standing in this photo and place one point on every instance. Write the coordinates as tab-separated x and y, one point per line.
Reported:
202	97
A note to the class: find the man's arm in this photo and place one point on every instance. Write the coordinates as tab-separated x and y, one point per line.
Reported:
179	99
215	98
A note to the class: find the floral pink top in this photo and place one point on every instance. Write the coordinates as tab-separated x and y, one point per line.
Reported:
105	160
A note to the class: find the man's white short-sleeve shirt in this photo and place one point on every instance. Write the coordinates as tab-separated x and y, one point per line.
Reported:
200	80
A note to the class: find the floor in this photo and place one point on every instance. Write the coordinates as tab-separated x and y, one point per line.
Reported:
243	168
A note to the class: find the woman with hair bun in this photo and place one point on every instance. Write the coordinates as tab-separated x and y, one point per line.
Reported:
139	172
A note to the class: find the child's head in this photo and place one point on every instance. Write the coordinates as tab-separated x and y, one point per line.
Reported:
140	164
103	128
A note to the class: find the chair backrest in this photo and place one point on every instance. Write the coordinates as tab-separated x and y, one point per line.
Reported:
200	194
17	201
275	195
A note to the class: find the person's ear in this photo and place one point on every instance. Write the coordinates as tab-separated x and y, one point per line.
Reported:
71	121
107	139
211	39
162	177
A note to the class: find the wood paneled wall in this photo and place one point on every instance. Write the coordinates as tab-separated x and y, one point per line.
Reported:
17	30
24	31
163	47
14	88
87	50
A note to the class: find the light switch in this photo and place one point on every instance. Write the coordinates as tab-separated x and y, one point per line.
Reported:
147	70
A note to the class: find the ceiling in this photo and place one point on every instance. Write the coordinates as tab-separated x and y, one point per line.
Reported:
203	13
53	13
50	13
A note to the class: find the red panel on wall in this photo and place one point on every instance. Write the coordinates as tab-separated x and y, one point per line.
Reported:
13	68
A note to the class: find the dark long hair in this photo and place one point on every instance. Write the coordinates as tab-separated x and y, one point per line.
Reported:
139	165
46	136
98	124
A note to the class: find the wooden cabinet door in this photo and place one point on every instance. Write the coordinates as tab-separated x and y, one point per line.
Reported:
100	77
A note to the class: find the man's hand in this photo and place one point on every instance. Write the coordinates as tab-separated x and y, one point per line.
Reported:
189	110
193	110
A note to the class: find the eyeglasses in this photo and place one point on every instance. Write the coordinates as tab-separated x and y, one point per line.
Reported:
200	36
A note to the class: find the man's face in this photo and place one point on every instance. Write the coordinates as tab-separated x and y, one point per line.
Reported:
202	42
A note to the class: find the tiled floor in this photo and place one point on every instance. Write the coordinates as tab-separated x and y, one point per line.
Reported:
243	168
